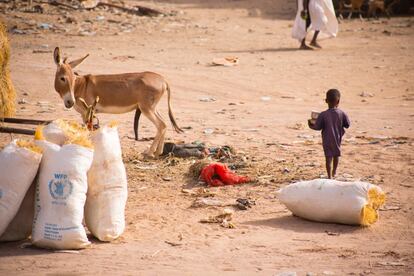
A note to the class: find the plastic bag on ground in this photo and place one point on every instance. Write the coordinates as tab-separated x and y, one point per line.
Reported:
60	196
19	162
107	190
325	200
20	227
218	174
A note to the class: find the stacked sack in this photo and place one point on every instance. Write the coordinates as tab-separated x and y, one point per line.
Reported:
19	163
326	200
73	179
107	186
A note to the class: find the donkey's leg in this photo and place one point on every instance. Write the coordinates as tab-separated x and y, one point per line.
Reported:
161	141
159	124
136	122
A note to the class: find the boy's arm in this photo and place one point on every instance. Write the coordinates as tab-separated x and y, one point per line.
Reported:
346	123
318	125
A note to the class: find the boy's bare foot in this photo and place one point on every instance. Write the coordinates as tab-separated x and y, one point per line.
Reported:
305	47
315	44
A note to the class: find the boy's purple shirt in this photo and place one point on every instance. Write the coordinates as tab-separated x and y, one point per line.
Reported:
332	122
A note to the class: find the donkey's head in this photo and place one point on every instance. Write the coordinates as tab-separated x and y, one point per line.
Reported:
65	78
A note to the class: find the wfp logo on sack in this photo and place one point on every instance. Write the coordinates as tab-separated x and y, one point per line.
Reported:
60	187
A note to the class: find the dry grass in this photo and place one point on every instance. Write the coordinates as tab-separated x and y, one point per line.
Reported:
7	92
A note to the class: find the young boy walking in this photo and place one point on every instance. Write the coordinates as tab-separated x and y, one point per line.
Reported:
332	122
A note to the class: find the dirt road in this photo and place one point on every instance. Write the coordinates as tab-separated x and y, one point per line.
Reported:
261	107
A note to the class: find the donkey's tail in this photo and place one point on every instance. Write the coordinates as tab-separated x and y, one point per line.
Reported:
170	113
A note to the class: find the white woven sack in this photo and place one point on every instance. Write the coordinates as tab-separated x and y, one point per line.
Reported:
20	227
60	197
325	200
107	190
18	168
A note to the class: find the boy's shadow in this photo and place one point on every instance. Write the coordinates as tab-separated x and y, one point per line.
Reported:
269	50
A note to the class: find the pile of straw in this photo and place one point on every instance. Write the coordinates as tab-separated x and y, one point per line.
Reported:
7	92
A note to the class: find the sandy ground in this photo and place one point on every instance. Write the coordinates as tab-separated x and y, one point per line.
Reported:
261	109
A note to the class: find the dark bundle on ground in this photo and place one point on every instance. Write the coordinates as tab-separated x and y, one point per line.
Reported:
7	92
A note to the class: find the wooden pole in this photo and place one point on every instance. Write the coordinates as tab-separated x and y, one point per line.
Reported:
24	121
17	130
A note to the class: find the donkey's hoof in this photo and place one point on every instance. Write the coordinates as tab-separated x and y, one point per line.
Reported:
148	155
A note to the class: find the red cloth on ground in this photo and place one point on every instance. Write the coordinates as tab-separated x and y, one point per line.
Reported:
218	174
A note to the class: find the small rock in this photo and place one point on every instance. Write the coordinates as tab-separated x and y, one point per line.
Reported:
265	98
22	101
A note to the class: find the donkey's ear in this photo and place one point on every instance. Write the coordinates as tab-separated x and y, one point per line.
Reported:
76	62
56	56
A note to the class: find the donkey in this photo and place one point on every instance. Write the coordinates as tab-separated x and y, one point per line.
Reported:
118	93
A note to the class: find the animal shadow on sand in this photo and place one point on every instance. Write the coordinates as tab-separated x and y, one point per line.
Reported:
300	225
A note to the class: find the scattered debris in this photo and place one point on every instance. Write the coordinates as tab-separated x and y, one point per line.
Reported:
207	99
226	61
244	204
265	98
287	273
147	167
224	219
41	51
208	131
329	233
208	202
366	94
297	126
45	26
173	243
201	192
391	263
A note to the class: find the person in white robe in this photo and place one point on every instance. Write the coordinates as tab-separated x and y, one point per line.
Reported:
316	16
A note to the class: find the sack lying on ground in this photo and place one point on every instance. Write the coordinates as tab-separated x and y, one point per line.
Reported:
60	131
325	200
60	196
20	227
107	187
19	162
